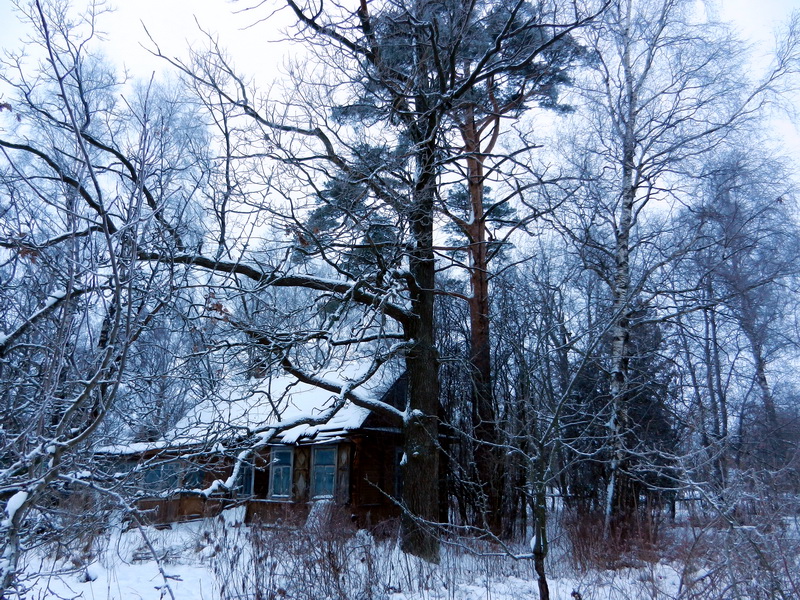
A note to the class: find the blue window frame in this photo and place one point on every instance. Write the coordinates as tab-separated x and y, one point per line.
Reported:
194	478
244	481
323	473
161	477
280	479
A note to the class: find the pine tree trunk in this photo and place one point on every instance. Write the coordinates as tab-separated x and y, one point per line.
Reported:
489	461
419	535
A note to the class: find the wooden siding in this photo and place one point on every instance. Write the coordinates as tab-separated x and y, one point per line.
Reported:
301	474
364	487
181	507
374	478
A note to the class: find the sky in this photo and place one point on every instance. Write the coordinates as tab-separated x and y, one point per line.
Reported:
757	19
176	26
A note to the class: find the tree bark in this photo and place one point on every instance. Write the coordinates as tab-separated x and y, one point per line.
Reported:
621	330
419	535
489	463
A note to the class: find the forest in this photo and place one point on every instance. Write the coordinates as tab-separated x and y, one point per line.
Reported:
571	226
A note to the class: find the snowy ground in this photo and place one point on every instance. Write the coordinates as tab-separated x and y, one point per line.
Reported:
126	581
222	559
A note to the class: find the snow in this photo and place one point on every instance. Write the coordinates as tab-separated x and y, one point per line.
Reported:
414	414
254	405
245	406
131	582
132	448
320	511
214	558
14	504
52	299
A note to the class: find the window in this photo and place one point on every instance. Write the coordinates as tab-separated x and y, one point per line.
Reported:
194	478
244	480
161	477
323	472
280	482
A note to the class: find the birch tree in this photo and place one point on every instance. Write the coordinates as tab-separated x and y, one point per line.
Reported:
665	89
745	259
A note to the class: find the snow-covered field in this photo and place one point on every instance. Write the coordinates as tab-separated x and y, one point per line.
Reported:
121	580
224	559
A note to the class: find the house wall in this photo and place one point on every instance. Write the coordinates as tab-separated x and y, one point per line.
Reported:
301	474
365	486
282	513
181	507
374	478
342	491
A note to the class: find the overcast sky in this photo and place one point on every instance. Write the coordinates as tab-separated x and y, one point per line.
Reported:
174	24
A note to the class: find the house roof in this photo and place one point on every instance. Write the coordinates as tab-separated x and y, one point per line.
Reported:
278	407
263	404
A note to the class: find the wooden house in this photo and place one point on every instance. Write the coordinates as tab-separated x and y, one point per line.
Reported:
351	459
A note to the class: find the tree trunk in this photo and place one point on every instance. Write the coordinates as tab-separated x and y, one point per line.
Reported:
489	462
620	331
767	400
16	506
419	534
716	391
540	544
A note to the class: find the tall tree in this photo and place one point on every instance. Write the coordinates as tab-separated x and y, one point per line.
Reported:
483	221
361	150
746	255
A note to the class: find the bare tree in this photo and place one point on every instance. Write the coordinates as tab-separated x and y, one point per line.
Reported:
86	182
745	259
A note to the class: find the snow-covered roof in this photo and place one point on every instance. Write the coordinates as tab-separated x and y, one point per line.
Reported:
278	407
259	405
